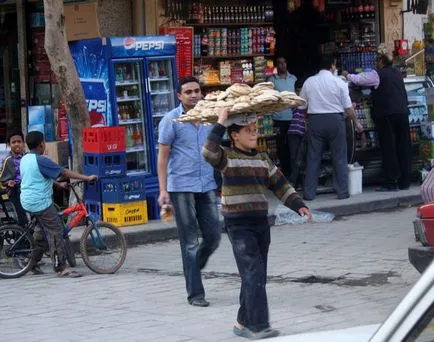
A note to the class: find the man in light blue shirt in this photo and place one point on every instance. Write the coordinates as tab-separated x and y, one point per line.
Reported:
283	81
187	181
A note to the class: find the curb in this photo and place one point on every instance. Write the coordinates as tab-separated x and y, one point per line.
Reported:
155	231
164	233
371	206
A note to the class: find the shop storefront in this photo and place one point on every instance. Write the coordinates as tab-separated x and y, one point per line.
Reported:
236	41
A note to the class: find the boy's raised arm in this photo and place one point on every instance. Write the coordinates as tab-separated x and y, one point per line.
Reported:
212	150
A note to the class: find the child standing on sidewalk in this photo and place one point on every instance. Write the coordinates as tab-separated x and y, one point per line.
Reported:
246	175
296	132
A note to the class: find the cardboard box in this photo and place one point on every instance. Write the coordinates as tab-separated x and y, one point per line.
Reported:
58	152
81	21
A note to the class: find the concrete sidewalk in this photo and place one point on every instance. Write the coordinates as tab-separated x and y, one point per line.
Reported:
368	201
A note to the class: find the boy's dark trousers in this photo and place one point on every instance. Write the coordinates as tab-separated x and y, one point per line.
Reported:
250	239
14	197
50	221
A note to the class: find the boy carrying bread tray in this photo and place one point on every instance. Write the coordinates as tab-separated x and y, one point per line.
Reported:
246	174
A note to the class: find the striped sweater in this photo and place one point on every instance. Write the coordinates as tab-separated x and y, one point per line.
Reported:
246	176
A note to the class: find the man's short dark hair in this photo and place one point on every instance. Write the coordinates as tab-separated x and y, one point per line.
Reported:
14	133
385	59
327	61
276	59
185	80
34	139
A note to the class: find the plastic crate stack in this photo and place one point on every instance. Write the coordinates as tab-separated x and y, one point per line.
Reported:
115	198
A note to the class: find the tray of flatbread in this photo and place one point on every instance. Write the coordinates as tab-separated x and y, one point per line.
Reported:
241	98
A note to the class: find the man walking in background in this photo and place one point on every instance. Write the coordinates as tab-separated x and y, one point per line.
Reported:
187	181
283	81
327	99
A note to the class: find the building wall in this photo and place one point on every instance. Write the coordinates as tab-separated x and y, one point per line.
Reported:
391	22
413	26
115	18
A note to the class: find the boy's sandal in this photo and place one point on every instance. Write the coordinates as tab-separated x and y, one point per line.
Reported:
246	332
69	273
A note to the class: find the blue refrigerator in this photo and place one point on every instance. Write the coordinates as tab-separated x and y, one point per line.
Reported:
130	82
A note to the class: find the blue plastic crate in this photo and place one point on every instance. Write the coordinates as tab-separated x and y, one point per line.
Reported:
122	190
105	164
116	189
92	191
94	208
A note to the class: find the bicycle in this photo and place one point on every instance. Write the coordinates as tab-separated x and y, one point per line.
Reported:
99	239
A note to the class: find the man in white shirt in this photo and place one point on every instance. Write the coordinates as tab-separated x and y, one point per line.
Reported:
327	100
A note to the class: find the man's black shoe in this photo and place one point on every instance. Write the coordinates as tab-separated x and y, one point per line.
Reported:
341	197
199	302
307	199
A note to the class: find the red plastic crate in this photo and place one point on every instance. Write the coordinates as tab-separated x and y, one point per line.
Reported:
104	139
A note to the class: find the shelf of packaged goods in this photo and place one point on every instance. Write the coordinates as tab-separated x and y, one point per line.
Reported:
369	20
235	56
270	136
232	24
158	115
166	92
126	83
159	79
135	149
127	99
224	85
130	121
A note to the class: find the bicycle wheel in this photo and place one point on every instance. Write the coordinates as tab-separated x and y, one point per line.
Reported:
16	252
69	251
103	247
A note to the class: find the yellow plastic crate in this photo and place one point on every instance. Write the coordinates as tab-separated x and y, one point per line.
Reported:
125	214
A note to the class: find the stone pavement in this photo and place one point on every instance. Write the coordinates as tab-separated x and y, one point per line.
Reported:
368	201
350	272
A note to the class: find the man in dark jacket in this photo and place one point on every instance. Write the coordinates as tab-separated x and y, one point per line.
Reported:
390	114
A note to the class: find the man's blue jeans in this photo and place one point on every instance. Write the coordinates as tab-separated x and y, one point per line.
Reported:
194	212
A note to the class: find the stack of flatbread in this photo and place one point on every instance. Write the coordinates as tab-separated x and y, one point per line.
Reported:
240	98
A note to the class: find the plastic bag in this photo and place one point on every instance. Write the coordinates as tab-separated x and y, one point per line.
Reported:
287	216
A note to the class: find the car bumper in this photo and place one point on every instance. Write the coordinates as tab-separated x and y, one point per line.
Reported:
420	257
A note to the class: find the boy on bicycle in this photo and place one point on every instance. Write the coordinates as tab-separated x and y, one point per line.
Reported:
10	176
37	176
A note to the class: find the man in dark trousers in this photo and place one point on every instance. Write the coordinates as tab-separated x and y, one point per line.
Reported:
327	100
390	114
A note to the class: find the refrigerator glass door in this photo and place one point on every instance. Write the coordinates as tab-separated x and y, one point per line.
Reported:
161	89
131	113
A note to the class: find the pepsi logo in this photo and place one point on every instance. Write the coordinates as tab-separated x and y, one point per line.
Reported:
129	43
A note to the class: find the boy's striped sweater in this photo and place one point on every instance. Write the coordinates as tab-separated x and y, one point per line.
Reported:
246	176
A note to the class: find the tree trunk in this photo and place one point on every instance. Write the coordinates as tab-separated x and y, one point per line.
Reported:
62	64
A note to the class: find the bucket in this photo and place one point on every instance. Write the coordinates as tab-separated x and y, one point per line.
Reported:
354	179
